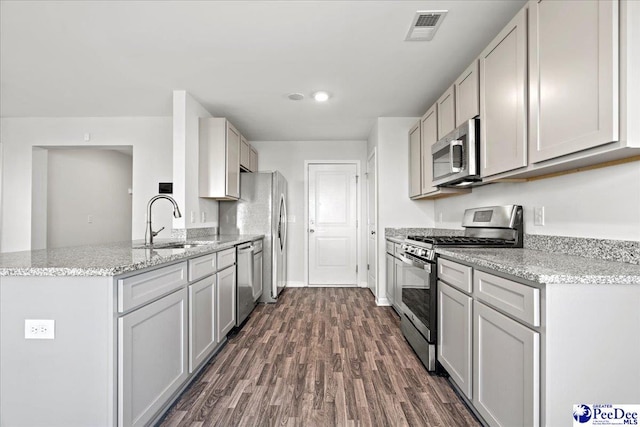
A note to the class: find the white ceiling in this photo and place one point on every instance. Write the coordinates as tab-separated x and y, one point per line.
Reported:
239	59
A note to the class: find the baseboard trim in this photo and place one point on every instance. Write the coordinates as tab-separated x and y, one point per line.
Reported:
296	285
383	302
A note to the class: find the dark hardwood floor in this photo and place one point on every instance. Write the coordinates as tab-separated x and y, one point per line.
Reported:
320	357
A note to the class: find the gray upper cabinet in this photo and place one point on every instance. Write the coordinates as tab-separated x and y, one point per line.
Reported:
573	76
253	159
429	133
414	161
503	95
467	94
446	112
245	154
219	159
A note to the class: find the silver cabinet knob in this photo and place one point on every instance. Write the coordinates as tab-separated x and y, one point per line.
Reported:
312	231
373	232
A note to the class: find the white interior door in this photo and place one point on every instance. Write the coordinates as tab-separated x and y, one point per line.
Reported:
332	224
372	226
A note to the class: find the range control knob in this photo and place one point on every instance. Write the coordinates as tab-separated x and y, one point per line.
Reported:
422	252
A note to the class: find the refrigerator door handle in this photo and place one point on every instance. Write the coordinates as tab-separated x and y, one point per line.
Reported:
284	222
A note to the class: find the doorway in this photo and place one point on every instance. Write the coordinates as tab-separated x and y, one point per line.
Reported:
372	223
332	223
81	195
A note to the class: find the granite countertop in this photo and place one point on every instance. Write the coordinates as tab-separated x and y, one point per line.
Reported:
109	259
546	267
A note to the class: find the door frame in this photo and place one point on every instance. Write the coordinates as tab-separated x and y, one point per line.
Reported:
307	163
375	218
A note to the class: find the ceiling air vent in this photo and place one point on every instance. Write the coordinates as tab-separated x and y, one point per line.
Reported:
425	24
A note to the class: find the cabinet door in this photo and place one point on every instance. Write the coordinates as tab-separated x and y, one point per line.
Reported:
454	335
446	113
145	380
245	152
467	91
397	284
429	136
257	276
503	95
390	265
506	369
202	319
233	162
226	302
253	159
414	161
573	76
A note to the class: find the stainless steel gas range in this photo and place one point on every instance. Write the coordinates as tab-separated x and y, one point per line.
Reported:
493	226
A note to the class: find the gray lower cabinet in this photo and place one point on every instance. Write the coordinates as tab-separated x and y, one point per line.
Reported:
506	377
225	302
397	284
152	357
454	335
390	274
202	321
257	275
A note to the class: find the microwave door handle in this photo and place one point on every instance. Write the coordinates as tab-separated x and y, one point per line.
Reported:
454	143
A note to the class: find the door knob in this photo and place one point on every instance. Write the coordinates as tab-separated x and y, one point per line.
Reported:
312	230
373	232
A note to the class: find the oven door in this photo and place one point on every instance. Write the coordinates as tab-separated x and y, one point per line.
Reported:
418	292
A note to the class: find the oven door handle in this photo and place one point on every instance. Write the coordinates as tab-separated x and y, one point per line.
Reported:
455	143
422	265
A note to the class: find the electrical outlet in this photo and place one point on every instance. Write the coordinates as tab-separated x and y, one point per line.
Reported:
193	217
203	216
538	215
39	329
440	217
291	218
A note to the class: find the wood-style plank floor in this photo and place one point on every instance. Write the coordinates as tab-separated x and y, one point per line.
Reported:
320	357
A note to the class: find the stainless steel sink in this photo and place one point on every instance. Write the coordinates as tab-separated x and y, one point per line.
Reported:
180	245
177	245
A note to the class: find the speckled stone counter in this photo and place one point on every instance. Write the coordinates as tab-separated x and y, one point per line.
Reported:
545	267
108	259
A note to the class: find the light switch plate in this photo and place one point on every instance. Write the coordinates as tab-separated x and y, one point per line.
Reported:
538	215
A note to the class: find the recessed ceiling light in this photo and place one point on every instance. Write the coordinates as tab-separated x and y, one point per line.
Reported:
296	96
321	96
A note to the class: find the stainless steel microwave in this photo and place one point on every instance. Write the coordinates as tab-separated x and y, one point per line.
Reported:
456	157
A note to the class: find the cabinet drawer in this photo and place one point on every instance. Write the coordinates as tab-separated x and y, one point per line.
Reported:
456	275
518	300
226	258
389	247
142	288
257	246
202	267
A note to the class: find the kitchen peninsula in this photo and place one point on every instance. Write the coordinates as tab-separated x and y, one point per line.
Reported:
122	329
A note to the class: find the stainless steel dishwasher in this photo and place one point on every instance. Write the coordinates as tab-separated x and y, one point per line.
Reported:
244	296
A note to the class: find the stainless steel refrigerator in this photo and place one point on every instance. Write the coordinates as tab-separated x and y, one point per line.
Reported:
262	209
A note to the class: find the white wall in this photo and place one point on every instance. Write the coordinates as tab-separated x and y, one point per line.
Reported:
186	114
150	137
83	183
395	209
601	203
288	157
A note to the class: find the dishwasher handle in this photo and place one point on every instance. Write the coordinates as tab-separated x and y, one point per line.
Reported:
245	250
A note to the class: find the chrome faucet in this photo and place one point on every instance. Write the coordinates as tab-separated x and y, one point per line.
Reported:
149	231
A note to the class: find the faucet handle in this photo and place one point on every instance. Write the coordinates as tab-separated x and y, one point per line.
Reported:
155	233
